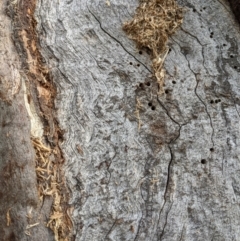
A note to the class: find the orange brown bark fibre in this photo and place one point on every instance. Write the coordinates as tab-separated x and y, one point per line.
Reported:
49	157
153	23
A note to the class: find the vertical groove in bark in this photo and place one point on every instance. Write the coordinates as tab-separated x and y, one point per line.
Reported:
41	94
235	5
22	216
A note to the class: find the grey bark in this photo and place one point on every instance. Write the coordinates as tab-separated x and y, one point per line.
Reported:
135	172
161	181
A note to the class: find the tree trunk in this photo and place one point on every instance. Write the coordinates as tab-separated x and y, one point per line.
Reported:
89	147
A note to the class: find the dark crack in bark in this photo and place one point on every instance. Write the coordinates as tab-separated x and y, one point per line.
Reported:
196	87
100	24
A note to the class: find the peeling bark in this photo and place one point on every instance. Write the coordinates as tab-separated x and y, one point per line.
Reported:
44	202
21	213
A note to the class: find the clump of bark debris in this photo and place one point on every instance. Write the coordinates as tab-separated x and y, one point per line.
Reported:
49	184
154	22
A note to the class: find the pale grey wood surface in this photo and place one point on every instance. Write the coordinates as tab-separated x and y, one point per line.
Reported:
133	173
160	180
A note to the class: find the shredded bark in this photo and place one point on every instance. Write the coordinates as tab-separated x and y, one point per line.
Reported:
49	157
154	22
49	185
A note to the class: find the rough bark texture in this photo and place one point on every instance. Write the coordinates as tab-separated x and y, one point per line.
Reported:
135	172
23	217
139	165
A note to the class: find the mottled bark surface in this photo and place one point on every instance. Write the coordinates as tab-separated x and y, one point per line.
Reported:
139	165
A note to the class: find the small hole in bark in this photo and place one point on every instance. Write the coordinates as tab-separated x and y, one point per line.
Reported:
148	84
174	82
211	149
235	67
231	56
169	50
153	108
149	104
204	8
219	100
216	101
138	65
194	10
203	161
224	45
130	63
140	52
211	101
141	85
166	91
